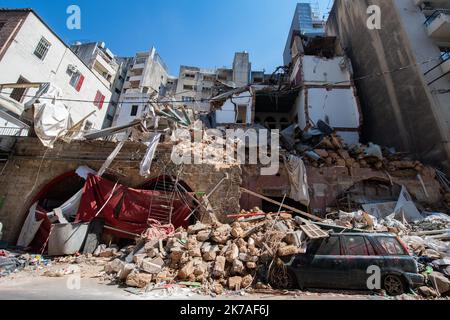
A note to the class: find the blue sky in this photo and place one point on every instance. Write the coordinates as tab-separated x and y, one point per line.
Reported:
203	33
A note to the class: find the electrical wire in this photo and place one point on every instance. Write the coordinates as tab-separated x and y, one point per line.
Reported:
375	74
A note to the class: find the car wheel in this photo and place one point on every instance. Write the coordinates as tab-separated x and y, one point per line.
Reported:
393	285
282	278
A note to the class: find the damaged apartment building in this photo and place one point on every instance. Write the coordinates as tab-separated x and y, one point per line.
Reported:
126	174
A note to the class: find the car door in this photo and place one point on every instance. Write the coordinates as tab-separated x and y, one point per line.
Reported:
326	268
360	256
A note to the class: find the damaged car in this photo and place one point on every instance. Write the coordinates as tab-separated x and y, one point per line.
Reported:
351	261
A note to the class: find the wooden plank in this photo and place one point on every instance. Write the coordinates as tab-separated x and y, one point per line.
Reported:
280	204
313	231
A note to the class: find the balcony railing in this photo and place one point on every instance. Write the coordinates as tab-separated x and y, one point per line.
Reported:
435	15
13	132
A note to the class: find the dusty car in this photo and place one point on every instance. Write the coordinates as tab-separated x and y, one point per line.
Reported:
345	261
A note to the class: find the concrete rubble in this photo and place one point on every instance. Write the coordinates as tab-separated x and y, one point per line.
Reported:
215	256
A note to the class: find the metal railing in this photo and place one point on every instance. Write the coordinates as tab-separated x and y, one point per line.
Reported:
435	15
14	132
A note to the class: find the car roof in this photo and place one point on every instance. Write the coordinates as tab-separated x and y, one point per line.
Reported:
364	234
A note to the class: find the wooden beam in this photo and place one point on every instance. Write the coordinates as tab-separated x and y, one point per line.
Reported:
310	216
20	85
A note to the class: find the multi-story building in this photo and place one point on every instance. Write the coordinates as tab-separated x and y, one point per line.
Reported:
30	52
146	79
404	83
307	22
111	69
196	85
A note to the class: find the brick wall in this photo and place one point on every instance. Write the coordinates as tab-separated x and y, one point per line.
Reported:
11	22
31	167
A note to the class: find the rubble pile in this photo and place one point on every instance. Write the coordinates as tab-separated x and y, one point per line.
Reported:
214	256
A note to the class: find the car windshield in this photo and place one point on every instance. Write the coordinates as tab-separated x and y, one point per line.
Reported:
329	247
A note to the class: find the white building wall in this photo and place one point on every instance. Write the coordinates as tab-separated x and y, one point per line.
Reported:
19	60
337	107
317	70
227	114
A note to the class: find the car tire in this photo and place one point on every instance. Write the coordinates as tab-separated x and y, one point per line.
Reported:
394	285
280	278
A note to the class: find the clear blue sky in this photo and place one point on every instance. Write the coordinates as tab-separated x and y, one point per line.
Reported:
203	33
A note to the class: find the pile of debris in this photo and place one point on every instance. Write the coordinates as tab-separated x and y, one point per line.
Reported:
216	256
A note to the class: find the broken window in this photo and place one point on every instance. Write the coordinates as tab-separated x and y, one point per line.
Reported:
188	87
99	100
18	93
241	116
76	81
330	247
355	246
42	48
134	110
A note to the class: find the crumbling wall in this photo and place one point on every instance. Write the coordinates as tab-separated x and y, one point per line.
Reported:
31	167
327	183
398	108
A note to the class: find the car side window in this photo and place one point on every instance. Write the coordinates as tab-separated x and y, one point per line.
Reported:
330	247
355	246
391	245
370	248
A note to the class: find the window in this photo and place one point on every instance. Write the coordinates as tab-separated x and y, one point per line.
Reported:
117	90
134	110
355	246
189	75
99	100
241	116
188	87
187	99
330	247
18	93
42	48
87	126
76	81
391	245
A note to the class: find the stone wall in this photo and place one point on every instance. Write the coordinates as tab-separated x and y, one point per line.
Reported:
31	167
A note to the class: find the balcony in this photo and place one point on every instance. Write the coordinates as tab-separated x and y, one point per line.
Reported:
138	66
446	66
428	4
438	26
13	132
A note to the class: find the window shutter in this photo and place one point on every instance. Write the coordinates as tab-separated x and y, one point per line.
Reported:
80	83
101	101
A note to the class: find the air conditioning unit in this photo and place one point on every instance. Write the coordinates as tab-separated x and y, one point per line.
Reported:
72	68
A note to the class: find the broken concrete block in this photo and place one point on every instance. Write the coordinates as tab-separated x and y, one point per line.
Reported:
177	255
152	266
114	266
440	282
203	235
232	253
217	288
234	283
210	255
152	244
246	281
221	234
197	227
250	265
237	267
138	280
153	252
247	258
186	270
219	267
195	252
427	292
287	251
237	232
123	273
138	258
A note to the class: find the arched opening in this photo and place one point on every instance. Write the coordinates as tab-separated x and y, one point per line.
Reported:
51	196
368	191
